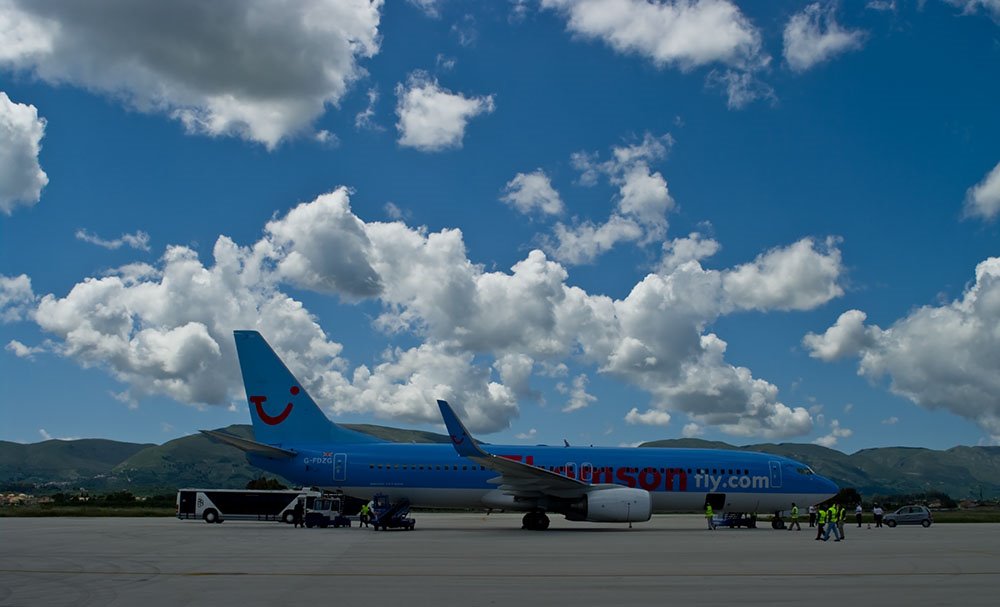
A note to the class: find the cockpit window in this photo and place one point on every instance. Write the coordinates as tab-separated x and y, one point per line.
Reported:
806	470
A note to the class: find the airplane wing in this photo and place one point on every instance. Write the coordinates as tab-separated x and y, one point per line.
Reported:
516	478
248	445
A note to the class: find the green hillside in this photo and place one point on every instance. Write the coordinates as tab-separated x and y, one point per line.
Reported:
63	461
190	461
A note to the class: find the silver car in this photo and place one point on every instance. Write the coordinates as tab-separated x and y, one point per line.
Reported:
910	515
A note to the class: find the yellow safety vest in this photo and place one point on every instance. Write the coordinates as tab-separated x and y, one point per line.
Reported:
821	516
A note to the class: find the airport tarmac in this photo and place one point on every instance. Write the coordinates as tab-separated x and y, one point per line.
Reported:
474	559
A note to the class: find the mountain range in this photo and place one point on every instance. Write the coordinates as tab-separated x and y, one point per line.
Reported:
196	461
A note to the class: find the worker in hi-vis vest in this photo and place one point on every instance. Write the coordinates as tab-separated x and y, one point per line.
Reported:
820	522
795	518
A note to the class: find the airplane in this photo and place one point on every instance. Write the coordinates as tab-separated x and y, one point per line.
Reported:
296	440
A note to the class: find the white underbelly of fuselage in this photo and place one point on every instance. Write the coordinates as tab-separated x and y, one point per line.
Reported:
663	502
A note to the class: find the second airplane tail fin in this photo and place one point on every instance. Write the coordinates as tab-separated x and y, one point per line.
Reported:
282	411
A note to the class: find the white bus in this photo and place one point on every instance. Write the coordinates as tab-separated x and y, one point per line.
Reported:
217	505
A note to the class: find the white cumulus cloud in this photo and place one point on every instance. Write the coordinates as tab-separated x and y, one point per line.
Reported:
257	69
814	36
983	199
970	7
836	433
651	417
679	251
16	297
847	337
577	391
640	212
691	430
530	434
682	33
799	277
323	246
138	240
529	192
21	132
432	118
165	328
20	350
939	357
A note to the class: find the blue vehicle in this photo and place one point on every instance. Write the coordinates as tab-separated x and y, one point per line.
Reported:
391	515
296	440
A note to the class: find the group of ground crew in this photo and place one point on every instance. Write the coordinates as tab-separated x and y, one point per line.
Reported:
830	520
826	520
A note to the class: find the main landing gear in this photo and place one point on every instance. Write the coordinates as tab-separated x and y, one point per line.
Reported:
535	521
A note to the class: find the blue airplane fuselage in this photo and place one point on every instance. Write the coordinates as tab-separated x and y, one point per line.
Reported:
433	475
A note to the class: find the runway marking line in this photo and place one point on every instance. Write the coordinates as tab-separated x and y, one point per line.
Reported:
485	575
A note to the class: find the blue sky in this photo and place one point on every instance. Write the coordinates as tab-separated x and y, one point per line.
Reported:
608	222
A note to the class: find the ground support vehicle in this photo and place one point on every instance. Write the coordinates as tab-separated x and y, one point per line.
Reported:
217	505
326	511
736	520
387	515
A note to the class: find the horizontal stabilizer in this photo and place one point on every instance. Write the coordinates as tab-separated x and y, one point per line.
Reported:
247	445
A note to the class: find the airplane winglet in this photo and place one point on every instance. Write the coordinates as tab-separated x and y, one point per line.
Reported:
461	440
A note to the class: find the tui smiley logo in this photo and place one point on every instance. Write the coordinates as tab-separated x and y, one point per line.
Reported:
272	420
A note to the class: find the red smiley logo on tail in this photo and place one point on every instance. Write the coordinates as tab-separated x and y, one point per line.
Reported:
264	417
457	440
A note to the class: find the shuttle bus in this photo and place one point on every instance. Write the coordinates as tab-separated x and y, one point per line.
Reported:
217	505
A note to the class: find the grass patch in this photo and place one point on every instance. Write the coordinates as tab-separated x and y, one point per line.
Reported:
104	511
967	516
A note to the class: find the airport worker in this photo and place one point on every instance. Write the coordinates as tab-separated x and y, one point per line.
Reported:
877	513
820	522
812	515
709	515
297	513
363	517
831	523
841	519
795	518
858	513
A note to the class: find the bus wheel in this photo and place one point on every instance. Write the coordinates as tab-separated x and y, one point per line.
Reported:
288	516
210	516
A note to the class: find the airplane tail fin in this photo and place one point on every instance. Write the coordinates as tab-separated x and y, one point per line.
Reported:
282	411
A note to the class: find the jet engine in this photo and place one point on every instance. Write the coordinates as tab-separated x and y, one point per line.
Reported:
613	505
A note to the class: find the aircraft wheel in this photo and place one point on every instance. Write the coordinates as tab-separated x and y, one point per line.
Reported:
535	521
